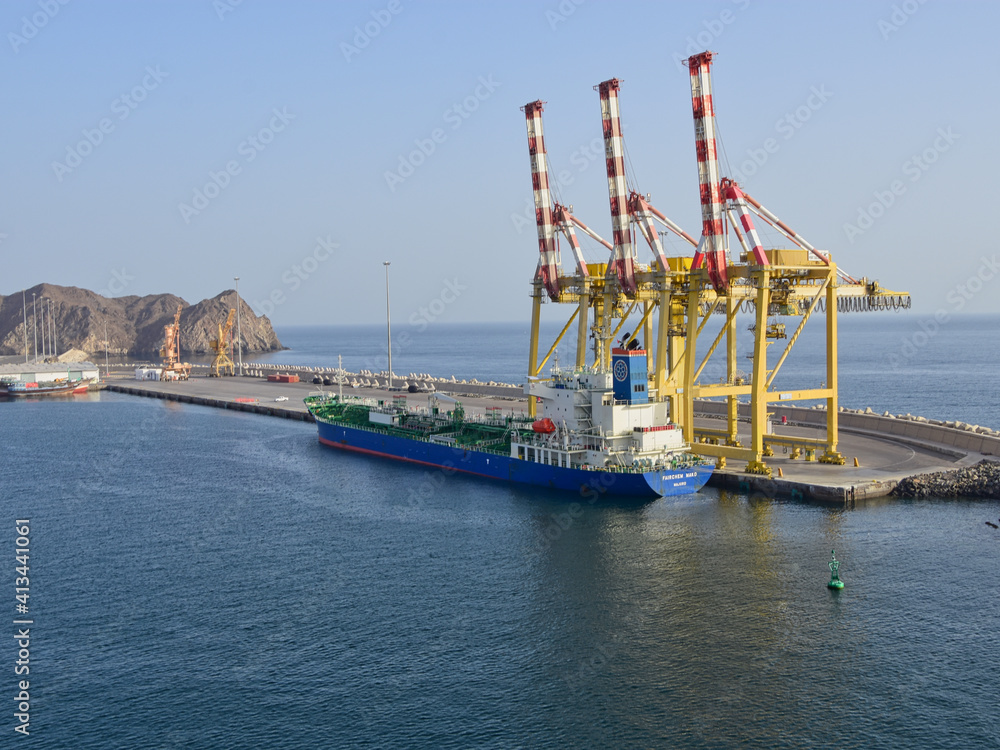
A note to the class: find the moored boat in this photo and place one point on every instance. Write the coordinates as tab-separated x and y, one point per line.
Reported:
82	386
61	387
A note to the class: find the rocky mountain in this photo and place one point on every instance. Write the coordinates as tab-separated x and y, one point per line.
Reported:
134	324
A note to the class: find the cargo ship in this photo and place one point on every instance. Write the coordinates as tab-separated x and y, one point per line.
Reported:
596	432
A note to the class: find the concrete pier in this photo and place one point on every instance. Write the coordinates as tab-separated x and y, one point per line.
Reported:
258	396
887	449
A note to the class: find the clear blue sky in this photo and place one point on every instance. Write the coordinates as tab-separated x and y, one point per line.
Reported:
848	93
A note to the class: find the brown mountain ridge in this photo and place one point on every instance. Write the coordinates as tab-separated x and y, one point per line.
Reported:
134	324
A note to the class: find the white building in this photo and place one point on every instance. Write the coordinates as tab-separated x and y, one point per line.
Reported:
42	372
148	373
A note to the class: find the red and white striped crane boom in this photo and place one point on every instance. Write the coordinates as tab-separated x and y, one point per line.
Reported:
548	267
628	206
622	262
565	222
755	252
571	220
671	225
641	211
799	240
550	216
713	241
715	190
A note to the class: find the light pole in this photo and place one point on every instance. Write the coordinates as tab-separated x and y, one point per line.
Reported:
46	337
239	330
107	369
34	323
24	311
42	300
388	325
52	335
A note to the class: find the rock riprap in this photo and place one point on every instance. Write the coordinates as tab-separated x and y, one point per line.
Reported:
980	480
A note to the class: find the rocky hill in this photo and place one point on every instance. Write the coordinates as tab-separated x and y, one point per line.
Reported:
134	324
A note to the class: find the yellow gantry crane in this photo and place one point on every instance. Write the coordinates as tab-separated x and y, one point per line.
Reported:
681	295
223	363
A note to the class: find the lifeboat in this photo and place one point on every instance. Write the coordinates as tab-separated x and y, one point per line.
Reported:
544	426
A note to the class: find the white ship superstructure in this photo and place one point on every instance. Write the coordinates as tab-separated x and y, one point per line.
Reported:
603	419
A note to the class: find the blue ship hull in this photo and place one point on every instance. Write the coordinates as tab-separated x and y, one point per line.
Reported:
651	484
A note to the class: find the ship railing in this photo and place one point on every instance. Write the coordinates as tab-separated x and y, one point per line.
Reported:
381	407
615	469
500	439
423	438
596	443
347	400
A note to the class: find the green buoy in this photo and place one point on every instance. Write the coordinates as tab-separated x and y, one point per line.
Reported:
835	582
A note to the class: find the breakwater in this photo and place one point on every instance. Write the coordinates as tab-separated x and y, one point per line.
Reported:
363	379
981	480
251	406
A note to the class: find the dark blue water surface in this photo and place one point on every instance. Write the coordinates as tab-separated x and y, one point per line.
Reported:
207	579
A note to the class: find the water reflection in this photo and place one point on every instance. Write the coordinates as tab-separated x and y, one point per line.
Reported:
712	611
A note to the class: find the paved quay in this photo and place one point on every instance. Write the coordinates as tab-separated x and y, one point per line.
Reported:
883	463
887	450
223	392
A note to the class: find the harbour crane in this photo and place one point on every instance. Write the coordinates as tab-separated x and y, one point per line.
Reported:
221	345
173	368
682	294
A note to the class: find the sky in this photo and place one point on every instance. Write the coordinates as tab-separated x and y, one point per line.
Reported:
170	146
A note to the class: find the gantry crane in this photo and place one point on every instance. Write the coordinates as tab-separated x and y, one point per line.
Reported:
173	368
221	345
682	294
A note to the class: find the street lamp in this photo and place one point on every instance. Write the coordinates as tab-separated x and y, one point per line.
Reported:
388	327
52	334
42	300
24	311
239	329
34	323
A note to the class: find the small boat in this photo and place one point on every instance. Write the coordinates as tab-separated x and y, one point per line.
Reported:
60	387
82	386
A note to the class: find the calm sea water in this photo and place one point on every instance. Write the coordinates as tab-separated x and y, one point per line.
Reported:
205	579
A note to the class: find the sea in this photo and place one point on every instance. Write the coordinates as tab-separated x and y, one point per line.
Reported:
199	578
